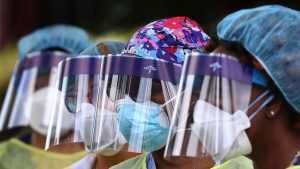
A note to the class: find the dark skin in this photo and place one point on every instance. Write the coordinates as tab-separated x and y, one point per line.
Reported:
178	162
181	162
101	161
38	140
275	141
105	162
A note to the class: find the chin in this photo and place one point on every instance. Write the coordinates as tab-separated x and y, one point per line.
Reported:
180	159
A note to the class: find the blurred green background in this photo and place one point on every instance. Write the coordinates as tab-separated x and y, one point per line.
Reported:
104	20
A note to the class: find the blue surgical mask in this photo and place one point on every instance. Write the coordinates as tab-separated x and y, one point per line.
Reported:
145	125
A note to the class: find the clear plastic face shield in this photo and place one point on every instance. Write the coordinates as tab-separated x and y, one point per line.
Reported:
28	98
210	115
75	93
135	101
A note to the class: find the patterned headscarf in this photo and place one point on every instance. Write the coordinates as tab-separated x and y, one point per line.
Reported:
167	39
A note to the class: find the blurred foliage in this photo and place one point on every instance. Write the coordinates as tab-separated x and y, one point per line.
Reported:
115	35
8	60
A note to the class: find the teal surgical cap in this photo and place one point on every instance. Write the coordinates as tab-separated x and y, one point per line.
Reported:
272	35
104	48
70	38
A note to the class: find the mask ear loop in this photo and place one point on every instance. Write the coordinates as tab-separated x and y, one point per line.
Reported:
173	98
267	101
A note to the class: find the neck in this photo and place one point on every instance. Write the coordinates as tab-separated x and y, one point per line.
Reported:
105	162
37	140
181	162
275	158
274	148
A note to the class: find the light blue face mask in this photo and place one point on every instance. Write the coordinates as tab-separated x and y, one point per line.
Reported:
144	126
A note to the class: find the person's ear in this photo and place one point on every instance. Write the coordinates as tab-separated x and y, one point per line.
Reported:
297	123
274	108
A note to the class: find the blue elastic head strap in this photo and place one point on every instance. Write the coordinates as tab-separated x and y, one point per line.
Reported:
257	78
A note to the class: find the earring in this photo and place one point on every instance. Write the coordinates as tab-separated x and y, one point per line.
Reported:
271	114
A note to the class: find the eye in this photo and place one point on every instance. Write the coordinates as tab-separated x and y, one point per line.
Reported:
70	103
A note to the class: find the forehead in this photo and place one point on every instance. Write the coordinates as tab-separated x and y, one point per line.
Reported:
42	80
237	52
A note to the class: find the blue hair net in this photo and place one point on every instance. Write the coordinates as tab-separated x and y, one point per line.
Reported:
70	38
271	34
104	48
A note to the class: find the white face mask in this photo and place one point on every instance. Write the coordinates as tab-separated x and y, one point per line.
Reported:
40	114
221	133
112	142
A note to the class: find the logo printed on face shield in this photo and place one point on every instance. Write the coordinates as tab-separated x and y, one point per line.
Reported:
215	66
150	68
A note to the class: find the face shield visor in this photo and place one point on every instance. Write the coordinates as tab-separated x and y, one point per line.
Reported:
210	114
135	101
74	94
28	98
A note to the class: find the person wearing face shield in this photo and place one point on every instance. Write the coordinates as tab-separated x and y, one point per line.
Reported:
29	98
248	97
77	89
145	104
